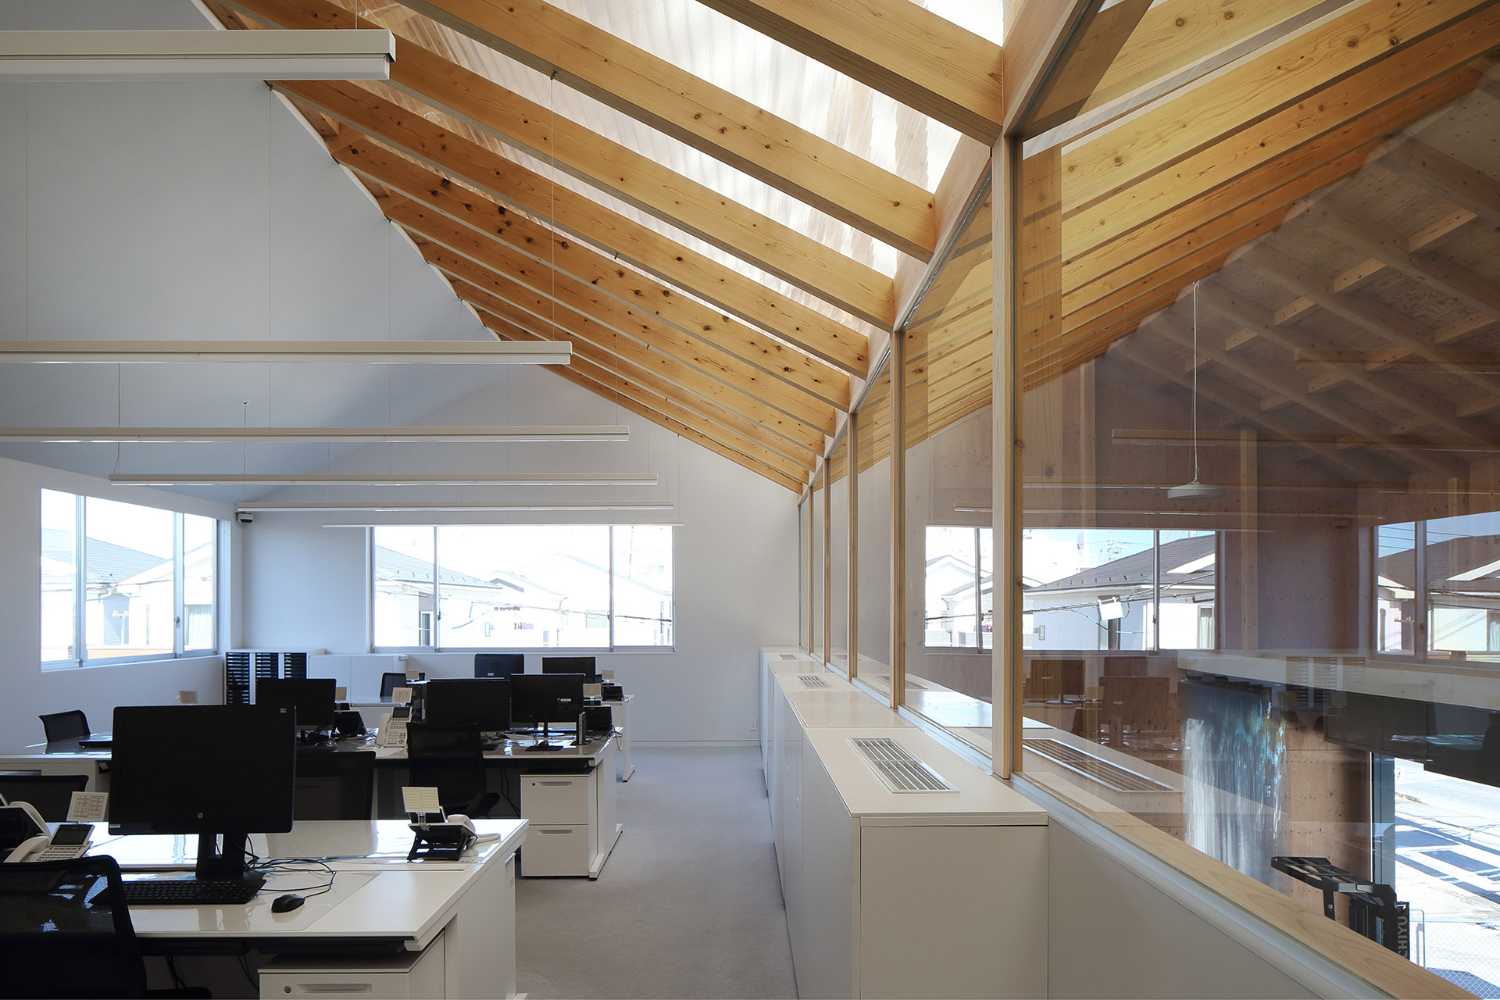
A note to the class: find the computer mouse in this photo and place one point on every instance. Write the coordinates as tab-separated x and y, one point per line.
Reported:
287	903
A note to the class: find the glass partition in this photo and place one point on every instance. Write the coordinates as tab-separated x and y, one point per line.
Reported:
804	594
1255	353
873	486
838	555
817	637
948	381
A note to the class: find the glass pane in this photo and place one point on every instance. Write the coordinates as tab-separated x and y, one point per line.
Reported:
1395	587
643	585
524	586
1249	323
1189	588
200	554
947	376
874	484
1462	557
129	608
804	614
819	531
987	587
404	610
838	545
59	576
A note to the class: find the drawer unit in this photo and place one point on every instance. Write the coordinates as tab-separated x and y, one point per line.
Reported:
400	977
557	798
557	850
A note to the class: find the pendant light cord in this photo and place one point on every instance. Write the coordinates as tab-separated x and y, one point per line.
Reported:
1195	381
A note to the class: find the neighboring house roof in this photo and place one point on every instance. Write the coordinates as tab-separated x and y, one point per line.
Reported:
106	562
409	569
1137	569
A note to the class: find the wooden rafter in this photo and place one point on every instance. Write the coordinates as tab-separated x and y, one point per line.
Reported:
1153	186
506	241
686	107
476	165
692	207
665	411
893	46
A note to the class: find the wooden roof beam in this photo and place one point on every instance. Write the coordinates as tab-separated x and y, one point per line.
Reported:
506	241
693	111
512	184
895	47
694	208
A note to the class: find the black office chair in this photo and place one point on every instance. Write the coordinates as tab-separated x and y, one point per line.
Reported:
65	931
452	761
49	794
335	785
59	726
389	682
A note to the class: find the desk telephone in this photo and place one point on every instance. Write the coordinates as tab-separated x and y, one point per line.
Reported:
23	833
393	731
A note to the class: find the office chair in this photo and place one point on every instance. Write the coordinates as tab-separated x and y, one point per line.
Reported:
335	785
72	725
49	794
65	931
389	682
452	761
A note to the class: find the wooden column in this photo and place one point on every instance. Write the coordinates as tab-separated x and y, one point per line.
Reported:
852	590
898	519
1005	517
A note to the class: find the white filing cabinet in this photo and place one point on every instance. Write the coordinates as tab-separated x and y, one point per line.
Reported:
574	824
411	976
563	812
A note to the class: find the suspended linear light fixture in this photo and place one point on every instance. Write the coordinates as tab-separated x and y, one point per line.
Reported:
318	54
327	506
381	479
370	352
543	434
1195	490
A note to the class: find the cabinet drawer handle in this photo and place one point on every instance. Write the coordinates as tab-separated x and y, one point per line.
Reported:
334	988
555	784
543	830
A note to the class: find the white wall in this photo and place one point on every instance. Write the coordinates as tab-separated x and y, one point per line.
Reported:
31	691
735	561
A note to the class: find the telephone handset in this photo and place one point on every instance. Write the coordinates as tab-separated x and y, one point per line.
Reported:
24	824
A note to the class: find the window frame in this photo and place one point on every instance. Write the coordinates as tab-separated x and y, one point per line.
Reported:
437	606
179	616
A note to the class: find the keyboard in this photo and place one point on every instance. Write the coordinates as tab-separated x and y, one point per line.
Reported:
192	892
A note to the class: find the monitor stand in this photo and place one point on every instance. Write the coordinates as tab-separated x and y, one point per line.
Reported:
226	864
546	743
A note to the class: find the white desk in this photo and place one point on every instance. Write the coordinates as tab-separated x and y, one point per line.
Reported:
378	901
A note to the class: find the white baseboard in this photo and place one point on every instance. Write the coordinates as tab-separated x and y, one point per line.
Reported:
695	744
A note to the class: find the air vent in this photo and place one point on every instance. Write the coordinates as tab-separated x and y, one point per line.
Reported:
1099	771
897	768
812	681
791	656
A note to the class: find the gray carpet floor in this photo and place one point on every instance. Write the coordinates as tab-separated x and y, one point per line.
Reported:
689	904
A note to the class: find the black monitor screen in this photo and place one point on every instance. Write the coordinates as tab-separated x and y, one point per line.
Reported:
499	664
539	698
570	665
481	703
210	768
313	699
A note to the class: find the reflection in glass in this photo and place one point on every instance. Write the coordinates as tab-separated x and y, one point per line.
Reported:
819	532
1396	587
838	555
873	471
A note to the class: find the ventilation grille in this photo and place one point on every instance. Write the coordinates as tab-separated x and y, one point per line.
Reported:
1099	771
897	768
812	681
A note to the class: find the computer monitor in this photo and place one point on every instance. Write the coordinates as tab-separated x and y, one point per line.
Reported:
480	703
499	664
571	665
542	699
312	698
213	770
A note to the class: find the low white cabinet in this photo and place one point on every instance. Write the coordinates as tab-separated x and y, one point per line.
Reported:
900	894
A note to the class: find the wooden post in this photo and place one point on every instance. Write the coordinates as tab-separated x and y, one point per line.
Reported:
1005	516
852	590
898	519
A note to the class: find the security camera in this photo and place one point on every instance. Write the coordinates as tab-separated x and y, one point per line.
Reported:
244	517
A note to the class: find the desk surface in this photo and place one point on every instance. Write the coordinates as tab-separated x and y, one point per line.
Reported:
376	895
515	749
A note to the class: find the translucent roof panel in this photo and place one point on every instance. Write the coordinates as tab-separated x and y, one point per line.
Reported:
986	18
779	80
